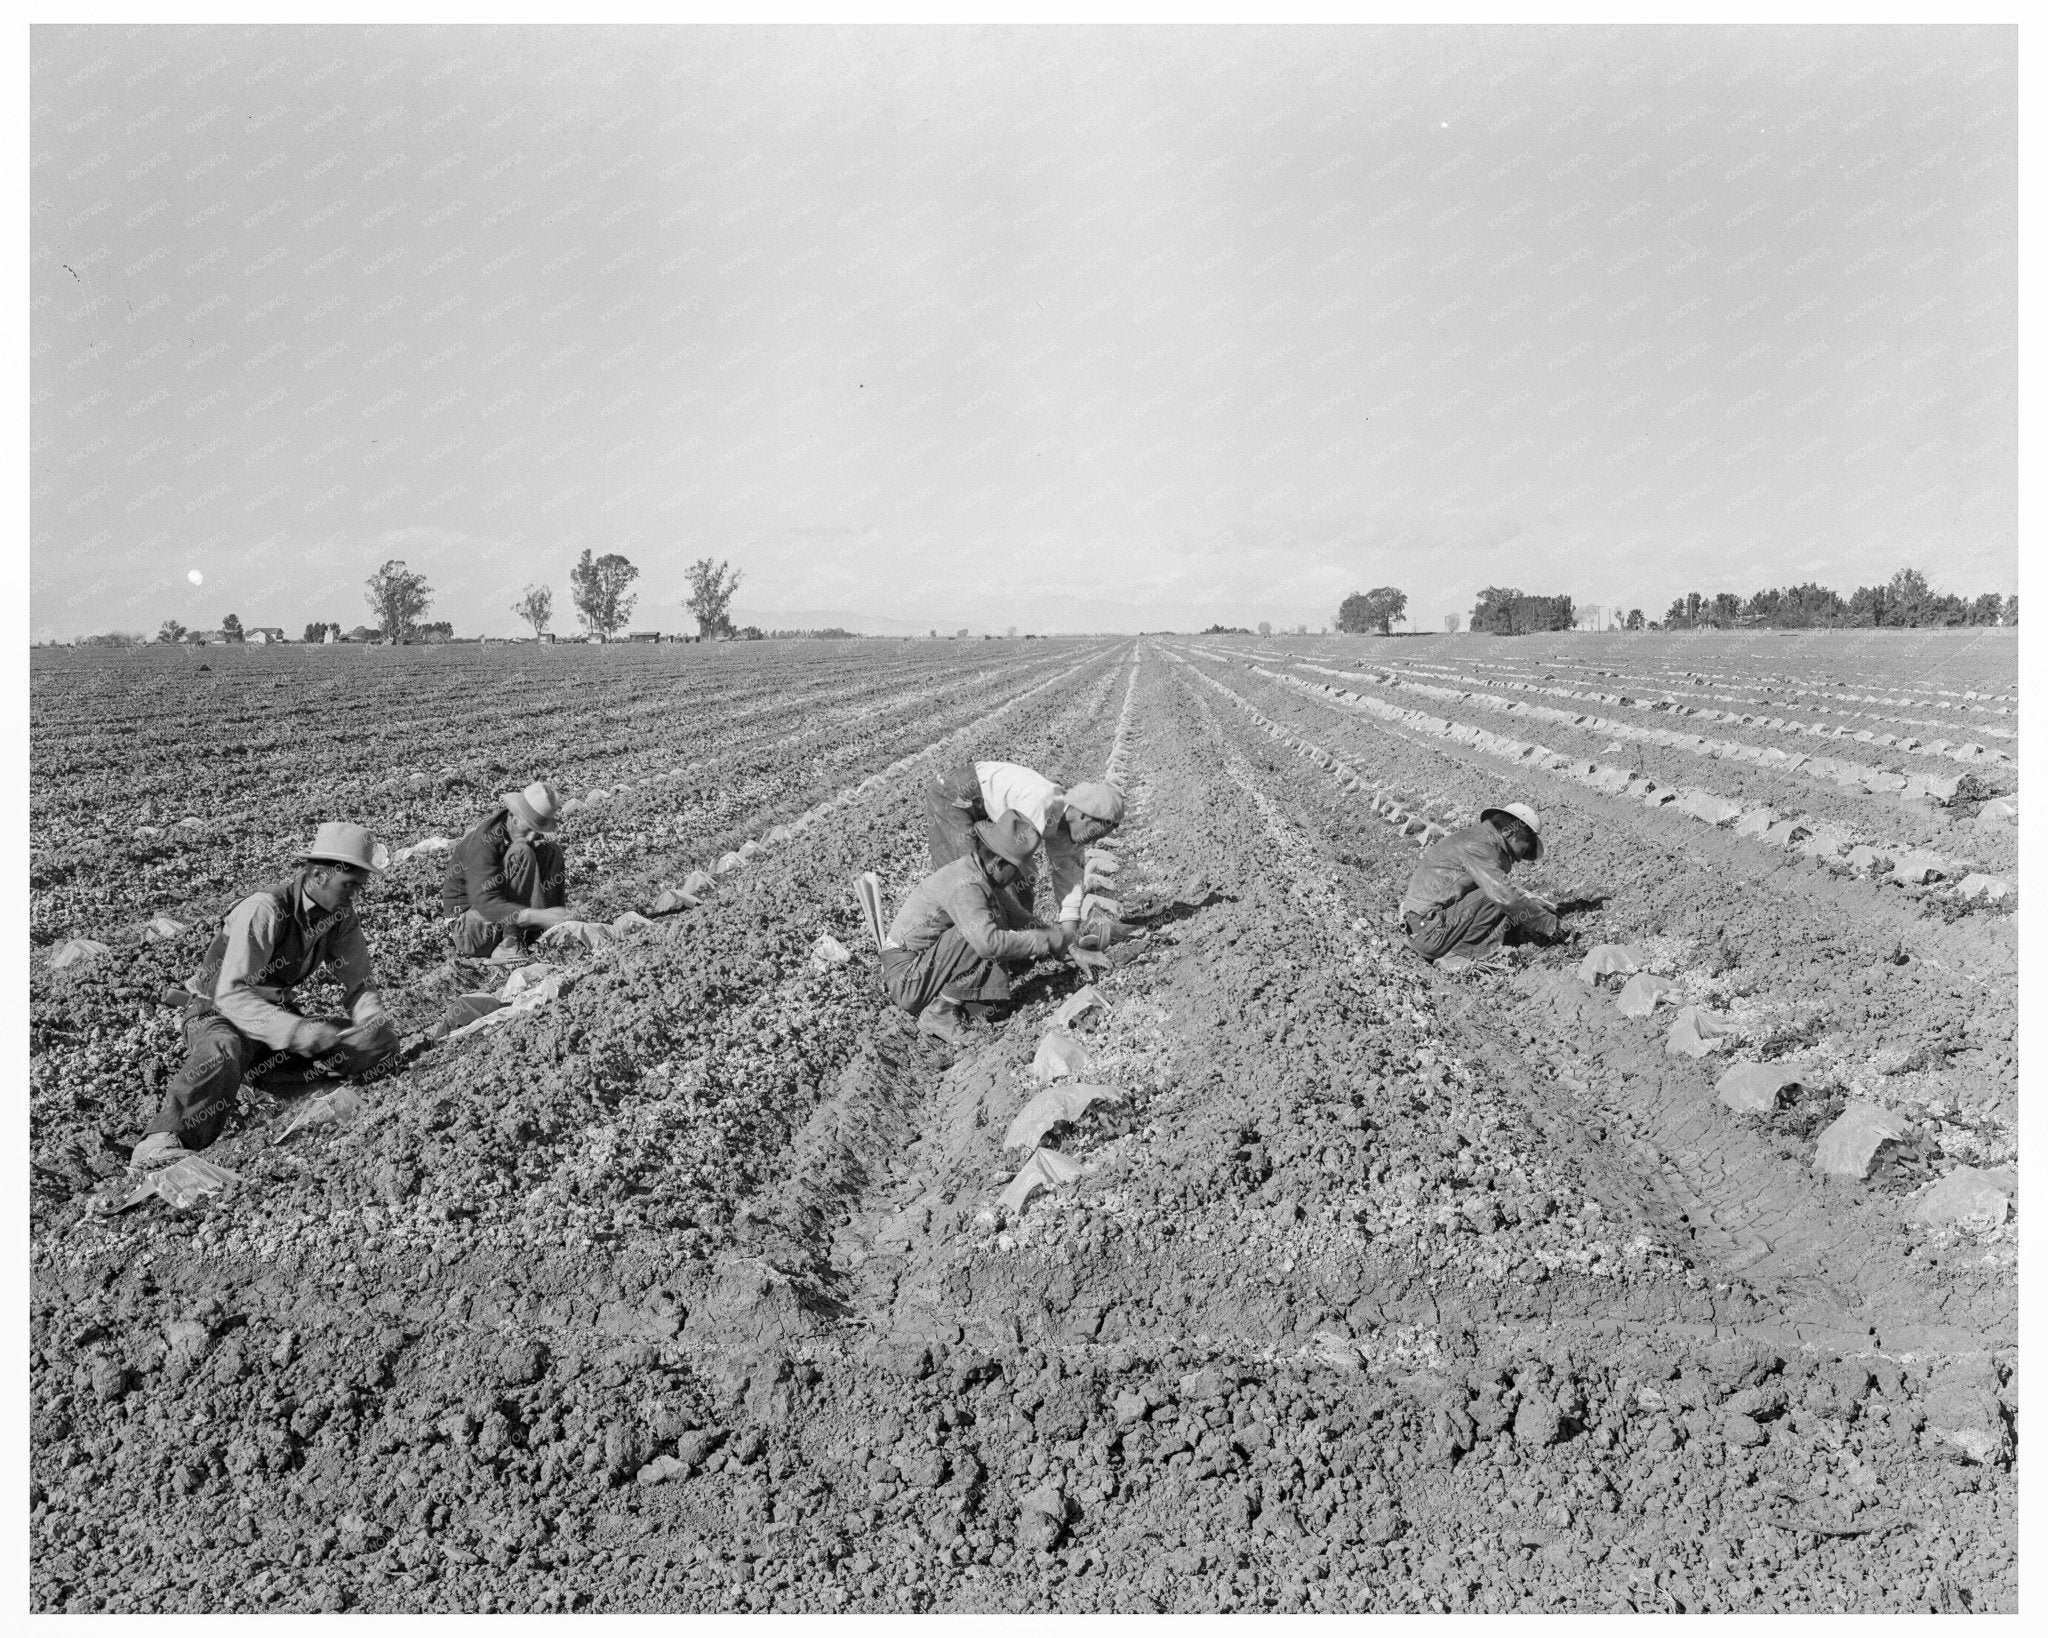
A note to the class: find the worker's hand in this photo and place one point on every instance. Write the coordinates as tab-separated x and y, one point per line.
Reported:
547	918
1059	940
1088	962
317	1038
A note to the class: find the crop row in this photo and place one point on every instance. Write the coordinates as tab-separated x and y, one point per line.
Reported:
1815	838
1856	779
1855	724
1799	687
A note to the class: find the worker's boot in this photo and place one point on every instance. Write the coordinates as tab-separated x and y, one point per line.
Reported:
942	1021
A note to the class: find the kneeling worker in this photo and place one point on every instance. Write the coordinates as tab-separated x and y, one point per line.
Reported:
507	879
238	1021
961	926
1459	901
1064	821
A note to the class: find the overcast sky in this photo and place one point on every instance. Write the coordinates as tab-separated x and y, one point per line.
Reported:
1061	329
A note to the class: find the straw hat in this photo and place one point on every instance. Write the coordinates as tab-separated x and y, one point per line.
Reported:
338	842
1009	836
537	805
1523	812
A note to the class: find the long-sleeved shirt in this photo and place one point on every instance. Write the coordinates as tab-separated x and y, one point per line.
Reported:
274	940
1476	856
1012	786
961	895
478	877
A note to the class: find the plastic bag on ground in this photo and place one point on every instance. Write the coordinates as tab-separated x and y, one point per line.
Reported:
1640	995
1754	1089
591	935
1046	1169
1095	904
1103	864
1694	1033
161	927
1966	1198
627	922
1847	1148
698	885
673	899
467	1009
1052	1106
1603	959
1078	1005
1059	1056
527	978
182	1183
828	953
340	1106
76	950
727	864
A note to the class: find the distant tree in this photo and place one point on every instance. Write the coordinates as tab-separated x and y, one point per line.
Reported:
751	634
536	607
113	639
435	631
1265	628
1450	622
598	587
710	599
1725	611
1635	620
1675	617
316	632
397	597
362	634
1507	612
1986	609
2012	610
170	632
231	628
1376	610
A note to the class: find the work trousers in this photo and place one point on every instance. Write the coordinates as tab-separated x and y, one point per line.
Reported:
1471	926
528	871
218	1057
915	979
952	802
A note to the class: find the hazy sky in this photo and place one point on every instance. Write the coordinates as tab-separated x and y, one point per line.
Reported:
1065	329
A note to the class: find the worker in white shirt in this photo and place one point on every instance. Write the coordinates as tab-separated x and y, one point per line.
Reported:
1066	822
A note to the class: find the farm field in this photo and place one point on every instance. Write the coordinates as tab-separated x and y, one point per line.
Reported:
1378	1288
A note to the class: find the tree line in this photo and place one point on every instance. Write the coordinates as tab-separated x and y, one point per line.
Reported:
400	597
1905	600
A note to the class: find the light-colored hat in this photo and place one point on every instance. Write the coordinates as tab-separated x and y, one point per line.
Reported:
537	805
1099	800
1523	812
339	842
1009	836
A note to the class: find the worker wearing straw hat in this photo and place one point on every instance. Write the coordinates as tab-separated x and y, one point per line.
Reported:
238	1018
507	879
1460	903
961	927
1066	821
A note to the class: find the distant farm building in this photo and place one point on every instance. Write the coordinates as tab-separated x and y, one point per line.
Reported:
264	634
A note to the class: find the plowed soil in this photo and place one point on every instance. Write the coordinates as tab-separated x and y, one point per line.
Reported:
1378	1289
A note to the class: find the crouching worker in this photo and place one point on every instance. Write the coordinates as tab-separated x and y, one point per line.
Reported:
962	926
507	879
1460	904
239	1023
1065	822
